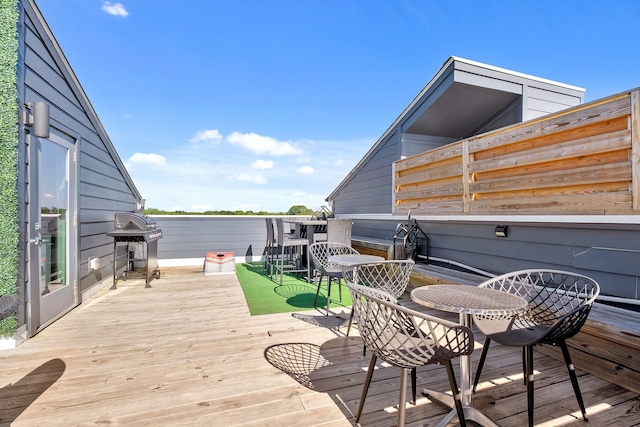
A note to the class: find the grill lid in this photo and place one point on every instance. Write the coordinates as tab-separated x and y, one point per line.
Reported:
134	222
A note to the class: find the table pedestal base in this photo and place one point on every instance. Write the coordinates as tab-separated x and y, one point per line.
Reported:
470	413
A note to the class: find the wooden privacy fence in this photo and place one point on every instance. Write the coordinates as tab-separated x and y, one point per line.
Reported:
583	160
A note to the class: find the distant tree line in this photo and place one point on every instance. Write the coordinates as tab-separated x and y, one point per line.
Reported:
293	210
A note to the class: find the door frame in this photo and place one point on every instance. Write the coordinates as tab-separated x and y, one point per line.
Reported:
34	320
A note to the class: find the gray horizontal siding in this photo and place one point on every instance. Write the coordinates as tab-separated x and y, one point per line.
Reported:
608	253
186	237
102	187
540	102
371	189
563	246
413	144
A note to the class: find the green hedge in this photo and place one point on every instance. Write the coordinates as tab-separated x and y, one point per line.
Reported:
9	14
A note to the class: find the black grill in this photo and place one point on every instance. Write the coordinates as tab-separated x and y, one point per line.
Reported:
135	227
139	232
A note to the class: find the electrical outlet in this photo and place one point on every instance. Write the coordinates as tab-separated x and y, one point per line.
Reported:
94	263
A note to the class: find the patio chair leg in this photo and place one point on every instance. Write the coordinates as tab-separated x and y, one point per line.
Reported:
483	356
350	322
456	393
414	378
402	399
529	379
524	364
574	378
315	301
328	294
365	386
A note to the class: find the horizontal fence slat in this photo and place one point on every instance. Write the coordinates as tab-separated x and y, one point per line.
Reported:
439	191
434	173
579	147
434	208
620	156
589	130
615	172
579	203
432	156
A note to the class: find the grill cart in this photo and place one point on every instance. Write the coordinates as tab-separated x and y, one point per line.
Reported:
141	236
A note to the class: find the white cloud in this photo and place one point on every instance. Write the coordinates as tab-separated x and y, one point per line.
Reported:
298	194
262	164
115	9
147	159
263	144
256	179
209	136
305	170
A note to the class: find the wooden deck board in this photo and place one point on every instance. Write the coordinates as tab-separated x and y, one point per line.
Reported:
186	352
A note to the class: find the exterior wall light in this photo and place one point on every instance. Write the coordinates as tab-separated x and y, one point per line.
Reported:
501	230
37	116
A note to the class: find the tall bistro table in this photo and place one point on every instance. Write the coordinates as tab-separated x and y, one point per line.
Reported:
467	301
305	229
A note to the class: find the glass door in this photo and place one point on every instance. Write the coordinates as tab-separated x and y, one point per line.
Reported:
53	276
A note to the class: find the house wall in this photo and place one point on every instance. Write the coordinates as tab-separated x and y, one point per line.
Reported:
413	144
540	101
607	252
103	186
370	191
604	252
187	238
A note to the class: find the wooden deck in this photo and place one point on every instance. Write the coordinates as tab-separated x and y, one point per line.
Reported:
186	352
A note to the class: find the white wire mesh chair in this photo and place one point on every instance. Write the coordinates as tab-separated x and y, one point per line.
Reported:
289	259
407	339
391	276
320	253
559	303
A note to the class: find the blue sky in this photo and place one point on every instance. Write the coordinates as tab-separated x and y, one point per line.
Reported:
262	105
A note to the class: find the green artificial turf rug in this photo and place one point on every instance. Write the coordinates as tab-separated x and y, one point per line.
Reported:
266	296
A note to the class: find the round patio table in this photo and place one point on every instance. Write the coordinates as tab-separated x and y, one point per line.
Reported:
467	301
